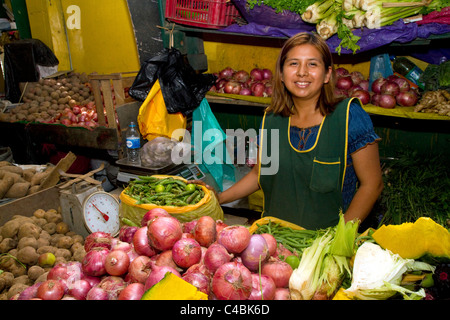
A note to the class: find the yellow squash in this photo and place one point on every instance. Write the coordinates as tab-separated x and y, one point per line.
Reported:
172	287
414	240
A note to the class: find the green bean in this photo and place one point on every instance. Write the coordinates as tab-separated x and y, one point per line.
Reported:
192	196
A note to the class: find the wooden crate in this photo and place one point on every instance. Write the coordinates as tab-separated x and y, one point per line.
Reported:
111	91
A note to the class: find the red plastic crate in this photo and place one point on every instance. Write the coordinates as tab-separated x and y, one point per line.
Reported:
202	13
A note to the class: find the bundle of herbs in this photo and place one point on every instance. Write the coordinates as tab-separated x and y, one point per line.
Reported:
415	186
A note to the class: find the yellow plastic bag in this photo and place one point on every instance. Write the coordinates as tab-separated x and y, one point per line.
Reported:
154	120
207	206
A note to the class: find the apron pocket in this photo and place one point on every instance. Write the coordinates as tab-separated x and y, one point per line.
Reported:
325	175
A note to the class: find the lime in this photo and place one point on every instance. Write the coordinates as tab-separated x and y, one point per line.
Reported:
190	187
293	261
160	188
427	281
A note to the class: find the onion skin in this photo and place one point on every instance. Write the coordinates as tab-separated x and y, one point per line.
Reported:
282	294
141	243
186	252
157	274
342	72
117	263
153	213
279	271
93	263
97	293
232	281
205	231
133	291
215	256
407	98
255	253
256	74
97	239
362	95
198	280
387	101
139	269
268	287
344	83
163	232
390	87
50	290
271	243
377	84
80	289
126	233
30	292
234	238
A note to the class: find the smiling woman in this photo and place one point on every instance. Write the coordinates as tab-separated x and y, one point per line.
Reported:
326	146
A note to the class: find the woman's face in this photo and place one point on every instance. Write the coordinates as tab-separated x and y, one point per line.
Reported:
304	73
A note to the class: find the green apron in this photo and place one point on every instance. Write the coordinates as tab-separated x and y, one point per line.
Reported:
307	188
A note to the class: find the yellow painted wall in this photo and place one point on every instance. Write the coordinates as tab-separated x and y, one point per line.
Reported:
100	36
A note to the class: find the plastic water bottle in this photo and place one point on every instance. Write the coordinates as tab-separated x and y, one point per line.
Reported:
133	139
252	153
408	69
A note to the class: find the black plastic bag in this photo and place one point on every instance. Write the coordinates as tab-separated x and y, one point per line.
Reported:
21	60
183	89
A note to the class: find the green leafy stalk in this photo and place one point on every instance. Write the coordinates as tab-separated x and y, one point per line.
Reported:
318	11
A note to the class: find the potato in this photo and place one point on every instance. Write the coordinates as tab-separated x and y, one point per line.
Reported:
50	227
42	277
16	176
42	242
27	242
28	174
55	238
7	244
64	253
28	255
6	280
34	272
39	213
5	163
53	216
14	169
23	279
5	184
29	230
16	290
39	221
33	190
64	242
39	177
18	190
79	254
62	228
46	249
10	229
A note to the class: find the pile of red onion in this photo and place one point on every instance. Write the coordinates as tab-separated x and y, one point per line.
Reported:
257	82
224	262
384	92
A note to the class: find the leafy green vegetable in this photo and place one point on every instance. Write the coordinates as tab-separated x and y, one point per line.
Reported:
296	6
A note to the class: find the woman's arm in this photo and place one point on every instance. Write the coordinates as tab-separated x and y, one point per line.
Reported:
366	162
244	187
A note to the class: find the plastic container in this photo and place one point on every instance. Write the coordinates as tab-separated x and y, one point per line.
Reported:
133	139
202	13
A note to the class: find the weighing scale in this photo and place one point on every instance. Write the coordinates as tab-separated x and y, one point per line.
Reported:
87	208
129	171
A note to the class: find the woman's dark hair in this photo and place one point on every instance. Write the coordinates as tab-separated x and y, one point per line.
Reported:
281	102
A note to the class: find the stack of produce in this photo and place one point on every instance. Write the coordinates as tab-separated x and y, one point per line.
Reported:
16	182
30	247
384	92
343	16
256	83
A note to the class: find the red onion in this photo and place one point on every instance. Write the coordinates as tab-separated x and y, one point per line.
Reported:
357	77
263	287
387	101
362	95
403	84
198	280
340	93
341	72
344	82
153	213
364	84
122	246
139	269
50	290
245	91
232	87
117	263
282	251
157	274
30	292
163	232
407	98
255	253
186	252
226	73
93	263
133	291
220	85
188	227
232	281
165	258
205	231
267	74
66	273
256	74
390	87
97	293
97	239
234	238
126	233
271	243
112	285
93	281
199	267
282	294
80	289
241	76
219	226
186	235
215	256
377	84
375	99
258	89
279	271
141	243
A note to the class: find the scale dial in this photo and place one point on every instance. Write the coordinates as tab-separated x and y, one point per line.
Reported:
101	213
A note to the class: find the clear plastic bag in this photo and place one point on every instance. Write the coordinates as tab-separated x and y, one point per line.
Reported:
157	153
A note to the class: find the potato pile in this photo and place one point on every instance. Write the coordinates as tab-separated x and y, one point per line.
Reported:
16	182
44	100
25	239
